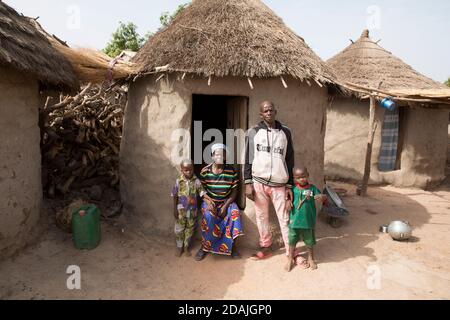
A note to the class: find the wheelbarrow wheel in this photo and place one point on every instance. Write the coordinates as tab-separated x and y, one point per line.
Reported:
335	222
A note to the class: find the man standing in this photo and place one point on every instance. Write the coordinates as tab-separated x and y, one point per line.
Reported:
269	163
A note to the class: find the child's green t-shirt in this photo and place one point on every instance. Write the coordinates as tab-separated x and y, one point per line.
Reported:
305	218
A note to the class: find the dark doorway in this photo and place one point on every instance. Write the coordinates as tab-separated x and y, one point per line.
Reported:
221	113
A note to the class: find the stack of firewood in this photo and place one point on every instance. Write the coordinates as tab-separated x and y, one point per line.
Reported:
81	137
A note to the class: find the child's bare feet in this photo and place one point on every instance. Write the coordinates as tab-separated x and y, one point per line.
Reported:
289	265
312	264
178	252
311	260
302	263
188	252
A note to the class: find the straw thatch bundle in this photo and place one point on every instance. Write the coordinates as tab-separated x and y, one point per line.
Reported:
27	50
95	66
366	66
241	38
91	66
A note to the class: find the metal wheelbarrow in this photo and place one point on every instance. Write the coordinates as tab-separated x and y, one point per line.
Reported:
335	208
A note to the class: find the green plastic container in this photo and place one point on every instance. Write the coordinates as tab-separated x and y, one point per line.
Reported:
86	231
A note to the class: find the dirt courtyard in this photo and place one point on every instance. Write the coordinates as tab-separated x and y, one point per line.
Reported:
133	264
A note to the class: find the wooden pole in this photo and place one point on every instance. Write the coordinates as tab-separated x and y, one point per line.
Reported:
250	83
372	130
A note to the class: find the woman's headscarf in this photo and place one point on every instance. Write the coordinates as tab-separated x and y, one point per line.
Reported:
219	146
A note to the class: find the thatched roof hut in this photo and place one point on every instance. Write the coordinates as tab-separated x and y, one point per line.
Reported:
25	49
240	38
420	124
366	63
26	60
215	63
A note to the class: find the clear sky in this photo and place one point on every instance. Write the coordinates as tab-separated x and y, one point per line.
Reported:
417	31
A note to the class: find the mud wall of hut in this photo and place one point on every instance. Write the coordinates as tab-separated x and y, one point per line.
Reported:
154	111
423	153
20	160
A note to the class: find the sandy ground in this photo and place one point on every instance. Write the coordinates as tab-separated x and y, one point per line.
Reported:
131	264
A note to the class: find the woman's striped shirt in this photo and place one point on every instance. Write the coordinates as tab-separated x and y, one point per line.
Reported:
219	186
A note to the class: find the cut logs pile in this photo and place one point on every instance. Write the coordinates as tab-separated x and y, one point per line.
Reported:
81	137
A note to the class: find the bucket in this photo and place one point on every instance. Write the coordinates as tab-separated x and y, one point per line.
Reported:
388	104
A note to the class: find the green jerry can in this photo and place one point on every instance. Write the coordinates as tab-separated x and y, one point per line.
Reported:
86	231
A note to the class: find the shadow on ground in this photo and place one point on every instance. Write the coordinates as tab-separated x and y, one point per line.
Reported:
361	227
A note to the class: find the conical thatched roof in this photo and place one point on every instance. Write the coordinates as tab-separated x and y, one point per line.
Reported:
365	63
241	38
26	49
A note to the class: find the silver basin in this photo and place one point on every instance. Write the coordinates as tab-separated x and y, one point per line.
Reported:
400	230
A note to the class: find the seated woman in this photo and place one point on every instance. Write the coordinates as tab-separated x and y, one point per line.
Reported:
221	220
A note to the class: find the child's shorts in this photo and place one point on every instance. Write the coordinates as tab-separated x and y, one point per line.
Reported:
308	236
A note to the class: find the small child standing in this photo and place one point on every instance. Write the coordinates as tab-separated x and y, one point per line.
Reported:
303	217
185	193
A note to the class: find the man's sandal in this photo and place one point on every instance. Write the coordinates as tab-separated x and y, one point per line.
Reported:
261	255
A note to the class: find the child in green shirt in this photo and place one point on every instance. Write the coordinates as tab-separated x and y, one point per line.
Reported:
303	217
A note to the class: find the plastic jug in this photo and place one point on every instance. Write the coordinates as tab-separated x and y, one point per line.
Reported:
86	230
